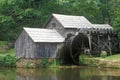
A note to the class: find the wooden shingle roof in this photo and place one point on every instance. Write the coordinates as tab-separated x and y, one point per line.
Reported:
80	23
98	28
102	26
44	35
69	21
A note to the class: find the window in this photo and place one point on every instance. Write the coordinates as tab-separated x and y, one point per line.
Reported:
53	25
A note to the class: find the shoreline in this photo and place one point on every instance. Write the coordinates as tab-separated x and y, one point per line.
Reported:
100	62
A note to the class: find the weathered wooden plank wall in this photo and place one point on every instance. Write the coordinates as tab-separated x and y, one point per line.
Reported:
45	50
26	48
58	27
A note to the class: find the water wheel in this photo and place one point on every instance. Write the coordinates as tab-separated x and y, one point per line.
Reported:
76	45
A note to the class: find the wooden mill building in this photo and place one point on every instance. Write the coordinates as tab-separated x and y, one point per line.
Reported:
66	36
38	43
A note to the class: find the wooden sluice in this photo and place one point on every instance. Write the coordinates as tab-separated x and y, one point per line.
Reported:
92	42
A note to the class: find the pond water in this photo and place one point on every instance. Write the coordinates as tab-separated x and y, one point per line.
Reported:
82	73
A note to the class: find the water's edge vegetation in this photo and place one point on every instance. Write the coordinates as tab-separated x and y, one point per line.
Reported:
112	61
8	59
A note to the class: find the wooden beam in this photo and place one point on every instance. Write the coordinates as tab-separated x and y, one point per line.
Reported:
109	39
89	39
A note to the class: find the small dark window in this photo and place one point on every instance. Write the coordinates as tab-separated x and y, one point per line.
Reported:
53	25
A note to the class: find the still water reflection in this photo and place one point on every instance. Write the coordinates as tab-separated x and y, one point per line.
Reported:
82	73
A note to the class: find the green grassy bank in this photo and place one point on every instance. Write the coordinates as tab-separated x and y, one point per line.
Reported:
7	59
112	61
7	56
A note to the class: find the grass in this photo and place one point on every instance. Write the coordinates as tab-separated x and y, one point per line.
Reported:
55	63
83	58
112	61
50	64
3	43
10	52
7	56
4	52
7	59
113	57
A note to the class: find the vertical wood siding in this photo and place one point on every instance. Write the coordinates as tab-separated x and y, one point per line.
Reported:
26	48
69	31
47	50
59	28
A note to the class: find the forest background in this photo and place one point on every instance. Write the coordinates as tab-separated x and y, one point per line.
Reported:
16	14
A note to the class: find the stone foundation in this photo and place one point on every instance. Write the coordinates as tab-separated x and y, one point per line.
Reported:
102	63
31	63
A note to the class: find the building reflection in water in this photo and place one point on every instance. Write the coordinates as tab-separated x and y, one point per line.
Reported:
68	74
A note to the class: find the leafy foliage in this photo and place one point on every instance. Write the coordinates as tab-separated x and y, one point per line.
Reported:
46	62
115	13
8	61
15	14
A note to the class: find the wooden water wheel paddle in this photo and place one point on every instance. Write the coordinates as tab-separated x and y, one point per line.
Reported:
76	45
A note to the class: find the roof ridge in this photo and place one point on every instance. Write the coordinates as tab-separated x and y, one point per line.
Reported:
72	21
37	28
66	15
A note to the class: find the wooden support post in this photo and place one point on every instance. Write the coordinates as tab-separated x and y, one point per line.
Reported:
119	45
99	42
109	39
89	38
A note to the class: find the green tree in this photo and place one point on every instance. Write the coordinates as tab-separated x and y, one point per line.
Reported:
16	14
115	14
